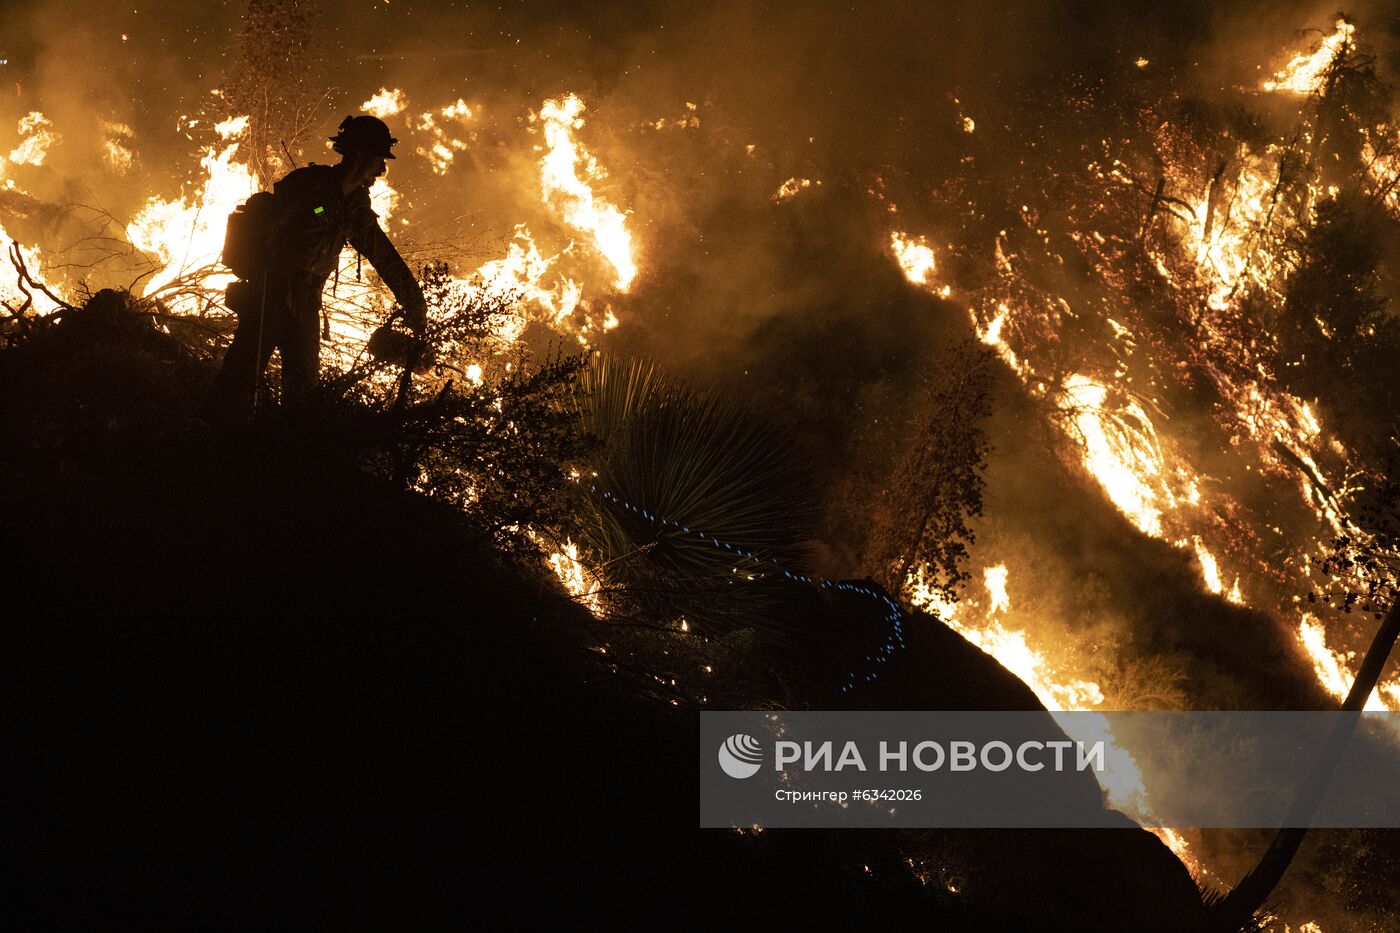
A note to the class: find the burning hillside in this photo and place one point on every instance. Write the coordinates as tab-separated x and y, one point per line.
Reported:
1134	295
1184	280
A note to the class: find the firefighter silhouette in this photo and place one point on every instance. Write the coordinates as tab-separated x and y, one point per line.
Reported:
296	238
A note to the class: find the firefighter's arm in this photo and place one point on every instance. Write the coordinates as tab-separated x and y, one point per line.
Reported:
370	240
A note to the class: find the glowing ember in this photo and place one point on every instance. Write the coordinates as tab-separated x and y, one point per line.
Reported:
791	189
1307	72
564	189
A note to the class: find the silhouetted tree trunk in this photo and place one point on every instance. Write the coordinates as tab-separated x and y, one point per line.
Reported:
1234	910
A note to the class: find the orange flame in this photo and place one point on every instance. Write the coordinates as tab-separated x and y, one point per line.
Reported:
1307	71
791	189
568	193
1011	648
187	235
444	147
915	257
1120	450
1333	668
385	103
577	578
37	135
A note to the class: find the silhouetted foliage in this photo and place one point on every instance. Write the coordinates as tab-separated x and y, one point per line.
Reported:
1362	570
76	379
686	459
921	520
499	445
1353	102
1337	340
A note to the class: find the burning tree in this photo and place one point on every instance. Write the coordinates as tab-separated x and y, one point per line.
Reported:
1193	271
1166	271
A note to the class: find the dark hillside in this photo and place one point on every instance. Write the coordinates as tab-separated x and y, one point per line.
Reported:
255	685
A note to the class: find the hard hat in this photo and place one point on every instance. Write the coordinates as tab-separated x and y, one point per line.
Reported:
364	134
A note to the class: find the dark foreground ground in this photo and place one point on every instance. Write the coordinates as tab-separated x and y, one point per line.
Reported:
267	691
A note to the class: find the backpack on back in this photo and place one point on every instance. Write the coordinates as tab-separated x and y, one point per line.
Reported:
250	235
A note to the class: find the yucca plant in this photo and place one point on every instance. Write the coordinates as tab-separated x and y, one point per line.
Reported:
695	508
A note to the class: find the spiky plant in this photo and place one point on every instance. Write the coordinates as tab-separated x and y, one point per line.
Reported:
680	469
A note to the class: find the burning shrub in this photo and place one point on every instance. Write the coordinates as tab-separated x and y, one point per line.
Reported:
491	433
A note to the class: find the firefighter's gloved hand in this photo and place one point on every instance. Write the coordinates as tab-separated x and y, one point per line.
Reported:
415	315
391	345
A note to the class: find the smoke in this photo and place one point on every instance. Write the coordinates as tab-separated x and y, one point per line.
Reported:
699	114
853	99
